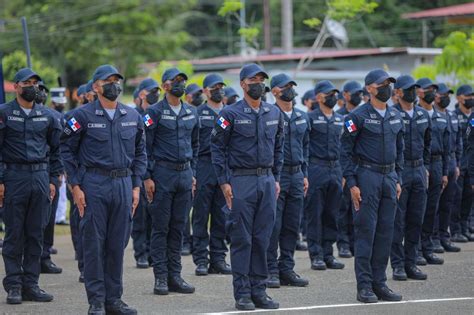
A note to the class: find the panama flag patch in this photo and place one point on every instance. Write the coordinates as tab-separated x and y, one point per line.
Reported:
75	126
351	127
147	120
223	123
472	122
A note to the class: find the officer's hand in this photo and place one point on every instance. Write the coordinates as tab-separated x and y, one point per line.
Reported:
194	186
399	190
444	182
427	177
52	192
150	189
136	199
356	199
227	191
277	189
343	182
457	173
79	199
2	194
305	185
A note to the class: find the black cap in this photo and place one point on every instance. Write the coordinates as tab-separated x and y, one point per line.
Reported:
405	82
229	92
308	95
325	87
352	87
43	86
251	70
444	89
89	86
172	73
25	74
105	71
192	88
147	84
81	90
281	80
378	76
465	89
212	79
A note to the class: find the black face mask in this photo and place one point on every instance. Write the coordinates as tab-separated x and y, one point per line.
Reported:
383	93
232	100
429	97
59	107
444	101
256	90
41	97
469	103
28	93
111	91
198	99
409	95
152	98
288	94
177	88
355	99
314	105
217	95
84	100
330	101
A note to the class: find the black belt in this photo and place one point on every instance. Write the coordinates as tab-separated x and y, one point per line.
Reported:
436	157
452	155
414	163
330	163
174	166
291	169
120	172
251	171
379	168
27	167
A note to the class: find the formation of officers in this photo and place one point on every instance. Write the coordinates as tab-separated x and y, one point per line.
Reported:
379	181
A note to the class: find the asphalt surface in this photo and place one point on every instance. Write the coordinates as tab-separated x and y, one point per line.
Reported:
448	290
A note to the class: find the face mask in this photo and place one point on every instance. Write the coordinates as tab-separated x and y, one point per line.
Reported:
198	99
232	100
429	97
383	93
111	91
59	107
469	103
330	101
152	98
84	100
217	95
28	93
355	99
41	97
314	105
288	94
256	90
409	95
444	101
177	88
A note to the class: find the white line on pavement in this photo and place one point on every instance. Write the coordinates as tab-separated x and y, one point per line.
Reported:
313	307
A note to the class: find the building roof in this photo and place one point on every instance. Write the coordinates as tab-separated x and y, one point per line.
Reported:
451	11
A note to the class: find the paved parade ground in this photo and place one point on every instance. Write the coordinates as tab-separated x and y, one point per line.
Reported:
448	290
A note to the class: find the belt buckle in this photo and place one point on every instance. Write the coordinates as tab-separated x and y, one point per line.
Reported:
180	167
259	171
113	173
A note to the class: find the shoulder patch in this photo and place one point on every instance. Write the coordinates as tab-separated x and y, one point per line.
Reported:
147	120
223	123
74	124
351	127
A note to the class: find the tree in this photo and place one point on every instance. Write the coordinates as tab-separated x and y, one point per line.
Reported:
455	65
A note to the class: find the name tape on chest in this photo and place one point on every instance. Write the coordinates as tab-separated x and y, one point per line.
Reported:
372	121
301	121
421	121
168	117
96	125
129	123
394	121
243	122
14	118
189	117
272	122
40	119
206	117
317	122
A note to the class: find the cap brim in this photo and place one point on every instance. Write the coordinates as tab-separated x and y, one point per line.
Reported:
154	86
329	91
215	83
356	90
181	74
282	84
445	91
409	85
265	75
429	85
108	75
382	79
29	76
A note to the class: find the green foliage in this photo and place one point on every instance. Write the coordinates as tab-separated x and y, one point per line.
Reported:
312	22
17	60
229	6
348	9
424	71
249	33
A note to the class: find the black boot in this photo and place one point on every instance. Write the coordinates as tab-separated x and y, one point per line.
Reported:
47	266
96	309
265	302
177	284
201	270
293	279
273	281
161	286
36	294
142	262
14	296
386	294
120	308
220	267
399	274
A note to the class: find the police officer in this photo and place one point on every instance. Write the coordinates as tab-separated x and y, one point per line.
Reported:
230	96
325	178
81	95
459	226
308	100
438	169
448	196
42	94
412	202
372	158
30	168
341	102
352	92
148	93
365	95
209	198
103	149
293	187
194	95
247	153
90	93
172	147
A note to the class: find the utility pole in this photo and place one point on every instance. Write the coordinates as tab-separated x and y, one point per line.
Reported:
243	44
267	27
26	39
287	25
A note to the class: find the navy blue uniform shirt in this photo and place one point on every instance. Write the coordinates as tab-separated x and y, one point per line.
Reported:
440	138
207	119
325	136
